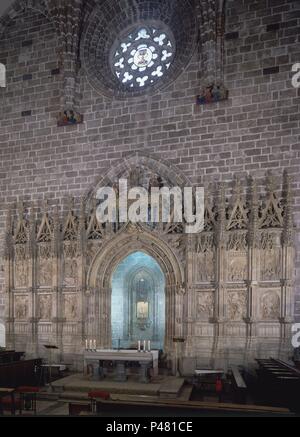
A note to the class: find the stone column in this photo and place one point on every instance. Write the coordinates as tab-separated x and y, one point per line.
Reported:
81	250
288	255
68	16
57	308
189	316
9	275
211	19
219	313
32	344
220	261
253	268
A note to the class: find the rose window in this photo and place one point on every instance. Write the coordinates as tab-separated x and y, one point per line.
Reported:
142	57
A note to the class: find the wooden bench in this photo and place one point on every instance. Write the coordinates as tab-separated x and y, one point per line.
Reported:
279	383
10	356
239	385
7	400
23	372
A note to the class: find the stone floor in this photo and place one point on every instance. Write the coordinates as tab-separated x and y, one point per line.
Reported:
157	398
45	407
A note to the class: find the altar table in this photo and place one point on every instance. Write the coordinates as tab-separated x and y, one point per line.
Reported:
96	359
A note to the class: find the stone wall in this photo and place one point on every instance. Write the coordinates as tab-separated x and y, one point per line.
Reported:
256	130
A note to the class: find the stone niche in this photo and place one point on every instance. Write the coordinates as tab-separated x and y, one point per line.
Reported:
138	302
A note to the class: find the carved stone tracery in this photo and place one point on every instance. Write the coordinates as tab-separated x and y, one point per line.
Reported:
235	265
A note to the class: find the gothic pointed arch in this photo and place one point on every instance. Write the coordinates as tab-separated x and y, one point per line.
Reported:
128	241
71	224
134	166
45	229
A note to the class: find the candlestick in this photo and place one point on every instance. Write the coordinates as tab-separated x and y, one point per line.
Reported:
149	346
144	348
86	345
139	346
95	347
91	344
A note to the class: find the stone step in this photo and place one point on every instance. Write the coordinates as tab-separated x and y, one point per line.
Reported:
73	396
171	388
48	396
186	392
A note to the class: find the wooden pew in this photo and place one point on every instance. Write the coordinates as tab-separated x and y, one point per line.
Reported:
24	372
10	356
239	385
279	383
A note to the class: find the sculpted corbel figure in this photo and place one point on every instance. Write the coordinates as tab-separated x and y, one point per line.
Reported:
181	290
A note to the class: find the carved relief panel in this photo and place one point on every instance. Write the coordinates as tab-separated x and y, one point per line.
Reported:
270	305
247	233
45	306
70	307
70	265
21	307
204	305
237	260
204	260
270	257
236	305
237	266
21	267
44	265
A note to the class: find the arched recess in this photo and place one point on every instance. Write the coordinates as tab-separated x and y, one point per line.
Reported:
135	238
138	302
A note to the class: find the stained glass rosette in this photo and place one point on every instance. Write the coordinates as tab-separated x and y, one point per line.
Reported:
142	57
